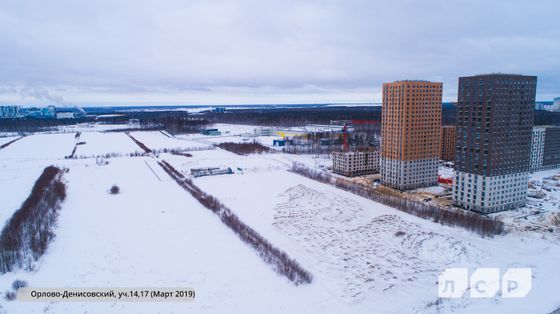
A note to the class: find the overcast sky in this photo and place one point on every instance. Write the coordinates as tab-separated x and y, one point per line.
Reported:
231	52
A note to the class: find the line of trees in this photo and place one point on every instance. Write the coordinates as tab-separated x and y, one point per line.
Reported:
71	156
244	148
174	151
140	144
27	234
279	260
10	142
31	125
479	224
182	150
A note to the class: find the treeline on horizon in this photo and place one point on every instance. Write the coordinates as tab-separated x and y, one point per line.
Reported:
181	122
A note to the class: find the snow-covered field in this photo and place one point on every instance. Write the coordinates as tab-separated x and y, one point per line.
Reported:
232	133
355	247
153	234
365	257
157	140
98	143
22	162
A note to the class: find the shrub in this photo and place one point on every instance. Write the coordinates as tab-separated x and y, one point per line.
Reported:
19	284
555	219
244	148
114	190
10	295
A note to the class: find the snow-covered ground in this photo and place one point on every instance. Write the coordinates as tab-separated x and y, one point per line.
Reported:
22	162
542	210
157	140
101	143
153	234
365	257
232	133
353	247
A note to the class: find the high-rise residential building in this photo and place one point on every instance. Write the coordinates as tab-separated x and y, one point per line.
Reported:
551	154
555	106
537	149
494	131
410	134
545	148
448	142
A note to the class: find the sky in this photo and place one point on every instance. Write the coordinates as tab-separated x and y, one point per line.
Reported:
253	52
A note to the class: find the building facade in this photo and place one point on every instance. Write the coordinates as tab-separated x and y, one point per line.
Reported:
494	133
410	132
545	148
537	149
448	142
555	106
551	155
10	112
352	164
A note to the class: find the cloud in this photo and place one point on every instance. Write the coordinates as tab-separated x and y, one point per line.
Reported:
41	96
274	51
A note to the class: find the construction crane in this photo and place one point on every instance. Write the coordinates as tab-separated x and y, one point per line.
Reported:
345	146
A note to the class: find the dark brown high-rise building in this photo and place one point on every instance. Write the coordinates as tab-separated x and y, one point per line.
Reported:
411	130
494	129
448	143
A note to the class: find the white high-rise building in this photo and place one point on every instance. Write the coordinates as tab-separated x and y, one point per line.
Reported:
545	148
537	148
555	106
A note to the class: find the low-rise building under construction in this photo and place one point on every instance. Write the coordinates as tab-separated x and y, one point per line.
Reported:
352	164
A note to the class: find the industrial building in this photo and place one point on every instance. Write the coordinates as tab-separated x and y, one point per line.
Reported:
48	112
210	132
545	148
352	164
494	130
448	142
265	132
65	115
554	107
11	112
410	132
211	171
